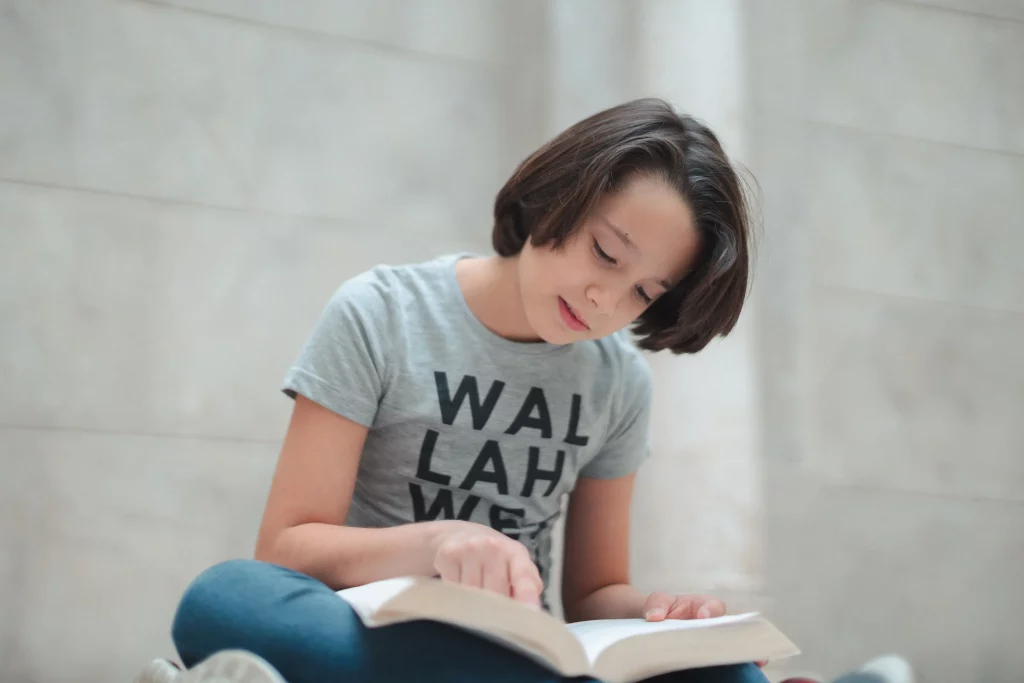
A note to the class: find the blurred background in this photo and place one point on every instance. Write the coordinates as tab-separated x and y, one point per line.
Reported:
183	184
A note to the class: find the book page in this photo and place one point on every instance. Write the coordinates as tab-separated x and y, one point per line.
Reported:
369	599
596	636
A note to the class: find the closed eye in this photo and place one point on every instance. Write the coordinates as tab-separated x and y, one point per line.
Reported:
601	254
642	295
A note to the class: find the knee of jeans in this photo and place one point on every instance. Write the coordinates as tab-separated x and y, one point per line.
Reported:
734	673
208	593
218	579
749	673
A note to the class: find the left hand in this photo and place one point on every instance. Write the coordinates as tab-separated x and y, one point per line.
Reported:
661	606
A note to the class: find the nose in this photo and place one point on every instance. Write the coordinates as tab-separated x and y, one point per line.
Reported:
603	299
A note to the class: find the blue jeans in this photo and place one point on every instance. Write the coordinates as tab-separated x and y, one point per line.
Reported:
310	635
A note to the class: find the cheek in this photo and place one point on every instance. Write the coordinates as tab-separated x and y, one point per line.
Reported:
558	269
541	277
625	316
576	263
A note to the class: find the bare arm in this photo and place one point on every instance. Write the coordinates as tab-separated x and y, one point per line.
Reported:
309	501
303	525
596	583
596	575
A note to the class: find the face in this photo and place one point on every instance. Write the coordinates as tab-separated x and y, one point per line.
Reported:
633	248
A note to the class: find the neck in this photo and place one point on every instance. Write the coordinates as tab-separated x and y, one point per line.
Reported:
490	286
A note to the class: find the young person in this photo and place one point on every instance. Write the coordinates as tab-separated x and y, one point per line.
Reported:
443	409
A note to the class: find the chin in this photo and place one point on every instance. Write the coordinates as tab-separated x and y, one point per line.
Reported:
558	333
550	331
552	335
562	338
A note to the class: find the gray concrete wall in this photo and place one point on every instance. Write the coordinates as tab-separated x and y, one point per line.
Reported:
889	142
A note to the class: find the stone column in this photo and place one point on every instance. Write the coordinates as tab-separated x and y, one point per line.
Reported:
697	509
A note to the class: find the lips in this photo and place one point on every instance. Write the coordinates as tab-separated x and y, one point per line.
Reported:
570	317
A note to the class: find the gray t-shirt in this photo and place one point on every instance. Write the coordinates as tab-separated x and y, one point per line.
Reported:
464	424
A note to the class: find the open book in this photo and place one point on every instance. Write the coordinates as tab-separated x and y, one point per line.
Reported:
614	650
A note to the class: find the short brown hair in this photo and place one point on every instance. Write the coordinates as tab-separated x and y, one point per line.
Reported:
550	194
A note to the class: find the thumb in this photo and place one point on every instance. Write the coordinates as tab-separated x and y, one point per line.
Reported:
657	605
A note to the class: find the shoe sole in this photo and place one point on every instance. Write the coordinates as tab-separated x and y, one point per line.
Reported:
232	666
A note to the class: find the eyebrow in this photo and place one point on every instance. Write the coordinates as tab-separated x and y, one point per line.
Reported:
621	234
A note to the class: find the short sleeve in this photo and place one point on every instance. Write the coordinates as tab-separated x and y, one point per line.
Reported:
629	441
345	362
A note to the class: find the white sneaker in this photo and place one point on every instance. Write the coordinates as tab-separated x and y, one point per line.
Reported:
885	669
891	669
159	671
229	666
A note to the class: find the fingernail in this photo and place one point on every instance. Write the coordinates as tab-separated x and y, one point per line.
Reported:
703	613
655	613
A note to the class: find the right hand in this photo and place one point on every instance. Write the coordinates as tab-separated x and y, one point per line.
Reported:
477	555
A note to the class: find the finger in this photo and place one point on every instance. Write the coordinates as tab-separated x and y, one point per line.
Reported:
471	570
525	579
761	664
496	574
447	568
710	607
657	606
683	607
